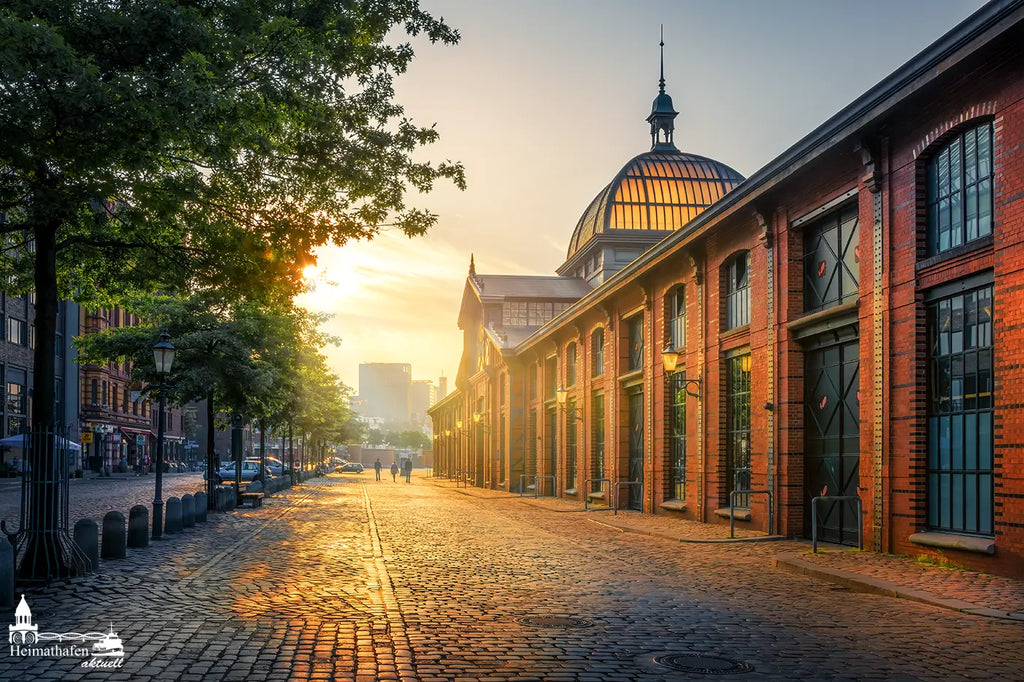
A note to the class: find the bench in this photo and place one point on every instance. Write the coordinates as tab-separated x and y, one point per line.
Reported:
256	499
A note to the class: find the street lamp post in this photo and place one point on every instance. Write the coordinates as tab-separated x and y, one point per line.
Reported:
163	355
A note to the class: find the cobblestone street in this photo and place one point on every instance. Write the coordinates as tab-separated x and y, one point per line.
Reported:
348	578
94	497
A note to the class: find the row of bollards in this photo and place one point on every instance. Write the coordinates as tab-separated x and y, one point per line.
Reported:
180	514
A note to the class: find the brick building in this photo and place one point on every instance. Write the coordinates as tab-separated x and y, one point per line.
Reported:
847	322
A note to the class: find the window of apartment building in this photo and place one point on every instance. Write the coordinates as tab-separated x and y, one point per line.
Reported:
571	435
17	400
737	291
737	427
677	436
831	270
635	327
95	392
570	365
597	352
597	440
17	331
960	411
676	314
58	399
124	401
959	201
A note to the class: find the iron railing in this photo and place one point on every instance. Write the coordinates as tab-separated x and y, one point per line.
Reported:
43	547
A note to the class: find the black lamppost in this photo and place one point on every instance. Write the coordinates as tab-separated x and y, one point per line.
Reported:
163	355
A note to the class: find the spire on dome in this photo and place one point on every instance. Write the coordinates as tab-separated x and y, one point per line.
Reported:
472	266
662	118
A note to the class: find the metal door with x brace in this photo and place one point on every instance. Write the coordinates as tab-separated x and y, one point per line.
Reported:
832	439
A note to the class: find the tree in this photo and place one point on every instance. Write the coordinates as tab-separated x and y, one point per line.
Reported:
175	146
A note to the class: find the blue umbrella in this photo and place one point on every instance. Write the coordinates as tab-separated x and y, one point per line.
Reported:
22	440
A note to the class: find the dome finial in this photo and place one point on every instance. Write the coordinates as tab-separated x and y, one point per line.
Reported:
662	118
661	81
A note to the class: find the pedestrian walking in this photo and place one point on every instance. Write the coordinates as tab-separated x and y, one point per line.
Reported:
394	471
408	470
377	467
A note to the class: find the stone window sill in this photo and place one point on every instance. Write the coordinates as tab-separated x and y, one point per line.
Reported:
674	505
599	495
966	543
570	491
738	513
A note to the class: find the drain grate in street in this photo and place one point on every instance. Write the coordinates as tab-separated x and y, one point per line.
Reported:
554	622
699	664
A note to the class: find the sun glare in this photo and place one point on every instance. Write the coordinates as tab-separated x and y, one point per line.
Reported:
310	272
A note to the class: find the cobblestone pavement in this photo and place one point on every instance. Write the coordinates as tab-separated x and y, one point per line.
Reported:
348	578
91	498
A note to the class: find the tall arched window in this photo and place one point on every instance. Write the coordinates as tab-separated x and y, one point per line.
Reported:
570	365
960	190
737	290
597	352
676	314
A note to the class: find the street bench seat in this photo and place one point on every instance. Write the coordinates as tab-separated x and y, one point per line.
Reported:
255	499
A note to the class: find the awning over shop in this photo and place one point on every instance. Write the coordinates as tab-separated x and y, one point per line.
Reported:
137	432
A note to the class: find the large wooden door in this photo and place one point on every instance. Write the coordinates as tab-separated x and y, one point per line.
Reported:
832	439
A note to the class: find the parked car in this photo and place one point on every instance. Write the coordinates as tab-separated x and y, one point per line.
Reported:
250	468
352	468
276	466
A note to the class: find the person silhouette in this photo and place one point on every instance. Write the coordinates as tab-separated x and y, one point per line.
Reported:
376	468
394	471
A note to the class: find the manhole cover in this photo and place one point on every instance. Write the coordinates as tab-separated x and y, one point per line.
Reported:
699	664
554	622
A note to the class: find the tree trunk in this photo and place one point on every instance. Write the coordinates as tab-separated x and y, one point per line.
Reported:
263	451
49	550
212	461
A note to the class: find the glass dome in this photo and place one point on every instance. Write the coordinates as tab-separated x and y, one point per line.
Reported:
657	191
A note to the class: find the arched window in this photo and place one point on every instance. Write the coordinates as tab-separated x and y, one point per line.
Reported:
570	365
675	313
960	190
597	352
737	291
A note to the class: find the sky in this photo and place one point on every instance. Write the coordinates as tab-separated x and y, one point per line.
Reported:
544	101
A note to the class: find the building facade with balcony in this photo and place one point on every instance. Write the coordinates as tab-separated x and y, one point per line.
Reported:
840	325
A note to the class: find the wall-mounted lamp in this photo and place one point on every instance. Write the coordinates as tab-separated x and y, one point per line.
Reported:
670	359
448	432
458	423
477	417
562	397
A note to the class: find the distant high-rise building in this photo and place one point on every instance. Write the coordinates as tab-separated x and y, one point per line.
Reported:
422	396
442	387
384	391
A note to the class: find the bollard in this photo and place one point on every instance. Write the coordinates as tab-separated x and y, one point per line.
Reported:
87	537
172	518
6	574
230	500
199	505
113	536
188	511
138	526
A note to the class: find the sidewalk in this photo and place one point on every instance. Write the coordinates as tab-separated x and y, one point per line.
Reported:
970	592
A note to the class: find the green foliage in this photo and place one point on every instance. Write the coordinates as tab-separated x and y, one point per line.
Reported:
205	143
181	147
259	361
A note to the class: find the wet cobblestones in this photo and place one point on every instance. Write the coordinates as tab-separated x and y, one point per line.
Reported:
350	579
